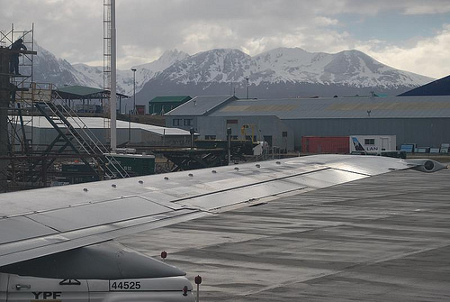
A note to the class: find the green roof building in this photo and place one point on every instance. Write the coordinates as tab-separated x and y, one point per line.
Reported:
91	100
160	105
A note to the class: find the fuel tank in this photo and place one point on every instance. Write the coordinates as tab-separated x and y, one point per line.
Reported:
16	288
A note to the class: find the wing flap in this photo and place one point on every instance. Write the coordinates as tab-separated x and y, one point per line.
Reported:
21	228
41	246
90	215
303	182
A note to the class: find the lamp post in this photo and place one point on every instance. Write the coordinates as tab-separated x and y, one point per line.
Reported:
134	90
247	86
192	131
229	144
129	123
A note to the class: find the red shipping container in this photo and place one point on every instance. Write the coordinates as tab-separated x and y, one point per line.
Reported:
140	109
326	144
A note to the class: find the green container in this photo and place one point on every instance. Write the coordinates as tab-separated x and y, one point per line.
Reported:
136	164
78	173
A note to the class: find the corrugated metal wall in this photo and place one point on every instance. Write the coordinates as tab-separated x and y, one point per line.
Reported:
264	126
430	132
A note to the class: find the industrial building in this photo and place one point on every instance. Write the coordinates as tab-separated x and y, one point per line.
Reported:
43	133
435	88
421	120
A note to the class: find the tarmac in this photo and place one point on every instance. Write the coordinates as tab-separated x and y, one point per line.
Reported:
385	238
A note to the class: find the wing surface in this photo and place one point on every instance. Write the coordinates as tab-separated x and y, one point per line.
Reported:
45	221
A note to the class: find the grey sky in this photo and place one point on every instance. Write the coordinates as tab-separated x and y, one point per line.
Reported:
406	34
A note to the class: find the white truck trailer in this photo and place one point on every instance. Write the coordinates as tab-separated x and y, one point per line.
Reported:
372	144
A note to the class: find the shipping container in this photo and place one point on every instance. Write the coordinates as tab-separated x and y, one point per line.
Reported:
76	173
372	144
325	144
140	109
408	148
136	164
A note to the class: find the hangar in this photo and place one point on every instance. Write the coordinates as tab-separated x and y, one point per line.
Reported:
423	120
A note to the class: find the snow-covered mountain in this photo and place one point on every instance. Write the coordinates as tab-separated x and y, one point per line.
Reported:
351	67
288	65
282	72
49	69
144	72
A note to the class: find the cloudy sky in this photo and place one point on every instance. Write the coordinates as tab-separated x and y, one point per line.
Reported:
412	35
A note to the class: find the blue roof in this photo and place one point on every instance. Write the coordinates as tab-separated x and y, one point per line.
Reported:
438	87
81	92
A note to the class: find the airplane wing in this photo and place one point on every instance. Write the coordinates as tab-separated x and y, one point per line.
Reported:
48	221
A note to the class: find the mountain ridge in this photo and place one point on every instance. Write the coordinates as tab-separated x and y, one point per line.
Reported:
281	72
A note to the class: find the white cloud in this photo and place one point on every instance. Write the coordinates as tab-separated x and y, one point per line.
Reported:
204	36
372	8
73	30
427	57
324	21
439	7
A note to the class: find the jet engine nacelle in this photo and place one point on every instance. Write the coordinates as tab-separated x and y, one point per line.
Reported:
426	165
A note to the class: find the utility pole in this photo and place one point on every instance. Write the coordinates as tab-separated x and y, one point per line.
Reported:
134	90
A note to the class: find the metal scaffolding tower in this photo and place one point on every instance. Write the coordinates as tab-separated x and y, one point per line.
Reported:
107	45
109	65
22	164
11	88
26	59
107	40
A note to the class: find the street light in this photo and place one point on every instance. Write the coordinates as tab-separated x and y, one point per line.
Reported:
134	90
229	144
247	86
129	123
192	131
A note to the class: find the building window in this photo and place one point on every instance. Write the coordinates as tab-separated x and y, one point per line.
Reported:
210	137
188	122
369	141
232	121
177	122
